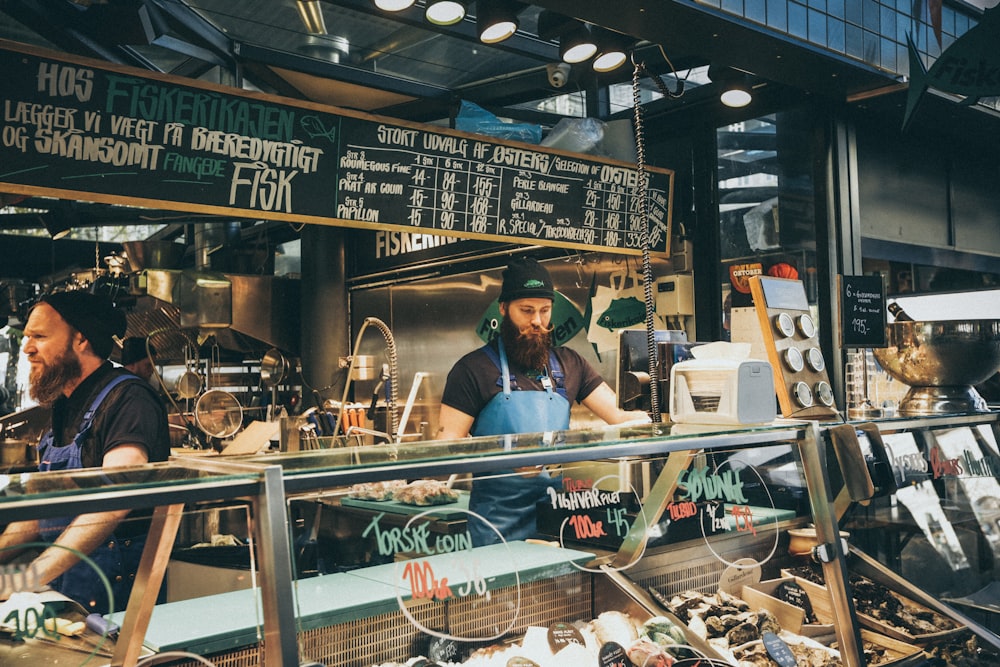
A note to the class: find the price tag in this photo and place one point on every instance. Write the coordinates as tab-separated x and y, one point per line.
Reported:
862	311
518	661
561	634
778	650
442	650
742	572
793	594
613	654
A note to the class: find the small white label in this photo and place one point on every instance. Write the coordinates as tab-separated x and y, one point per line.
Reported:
740	573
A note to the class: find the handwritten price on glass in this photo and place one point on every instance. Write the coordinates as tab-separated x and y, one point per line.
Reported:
425	585
28	625
584	527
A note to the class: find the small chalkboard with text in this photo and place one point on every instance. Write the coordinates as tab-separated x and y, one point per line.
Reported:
862	311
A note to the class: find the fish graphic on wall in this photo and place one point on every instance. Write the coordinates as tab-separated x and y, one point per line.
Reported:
315	127
970	67
622	313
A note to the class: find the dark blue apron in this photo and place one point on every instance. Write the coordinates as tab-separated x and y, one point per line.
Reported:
508	501
119	558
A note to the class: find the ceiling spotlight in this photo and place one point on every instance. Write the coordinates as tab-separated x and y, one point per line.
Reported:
576	45
733	84
612	49
496	20
575	42
311	13
393	5
444	12
58	223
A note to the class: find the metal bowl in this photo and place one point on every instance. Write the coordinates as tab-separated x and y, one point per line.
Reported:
941	361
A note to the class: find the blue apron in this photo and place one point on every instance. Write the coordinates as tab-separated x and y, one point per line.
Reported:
509	501
119	558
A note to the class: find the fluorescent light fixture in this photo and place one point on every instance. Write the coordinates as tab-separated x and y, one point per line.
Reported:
311	13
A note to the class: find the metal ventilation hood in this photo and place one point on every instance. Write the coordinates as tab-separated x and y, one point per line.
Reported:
245	313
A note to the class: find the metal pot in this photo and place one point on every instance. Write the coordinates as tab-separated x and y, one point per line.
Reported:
802	541
14	452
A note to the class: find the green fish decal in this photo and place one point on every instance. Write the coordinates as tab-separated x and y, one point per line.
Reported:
970	67
622	313
566	321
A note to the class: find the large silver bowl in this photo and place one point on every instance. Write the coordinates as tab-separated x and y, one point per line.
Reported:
941	361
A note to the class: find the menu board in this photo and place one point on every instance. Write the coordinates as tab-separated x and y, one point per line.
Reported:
90	130
862	311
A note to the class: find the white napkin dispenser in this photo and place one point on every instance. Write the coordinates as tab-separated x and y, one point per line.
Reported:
722	391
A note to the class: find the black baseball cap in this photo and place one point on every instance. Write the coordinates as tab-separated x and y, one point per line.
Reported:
525	278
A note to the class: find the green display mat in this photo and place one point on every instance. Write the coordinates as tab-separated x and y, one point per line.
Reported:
226	621
449	512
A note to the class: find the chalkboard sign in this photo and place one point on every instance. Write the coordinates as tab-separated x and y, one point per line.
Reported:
862	311
89	130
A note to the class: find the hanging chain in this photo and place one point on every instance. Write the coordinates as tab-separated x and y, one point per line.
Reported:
642	189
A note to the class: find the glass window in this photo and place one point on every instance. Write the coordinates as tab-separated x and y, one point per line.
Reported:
776	16
817	27
766	208
854	11
756	10
836	39
797	20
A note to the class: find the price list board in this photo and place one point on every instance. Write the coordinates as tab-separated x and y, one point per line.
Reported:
464	185
94	131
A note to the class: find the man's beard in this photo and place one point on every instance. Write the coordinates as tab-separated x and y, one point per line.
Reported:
46	382
527	350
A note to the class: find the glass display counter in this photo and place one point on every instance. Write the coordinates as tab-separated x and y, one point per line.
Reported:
39	626
363	555
940	529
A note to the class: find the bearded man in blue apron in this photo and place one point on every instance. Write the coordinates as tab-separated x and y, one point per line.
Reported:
520	383
102	417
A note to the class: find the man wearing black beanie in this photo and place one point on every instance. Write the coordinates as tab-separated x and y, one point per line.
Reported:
520	383
102	416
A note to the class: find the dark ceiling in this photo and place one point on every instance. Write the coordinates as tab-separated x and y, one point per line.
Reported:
400	65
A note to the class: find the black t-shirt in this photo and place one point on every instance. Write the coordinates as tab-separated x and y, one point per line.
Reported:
474	380
131	413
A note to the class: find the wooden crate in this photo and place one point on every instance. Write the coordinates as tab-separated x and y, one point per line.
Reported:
822	604
791	617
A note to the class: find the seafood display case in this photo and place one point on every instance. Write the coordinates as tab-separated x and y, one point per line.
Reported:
656	544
